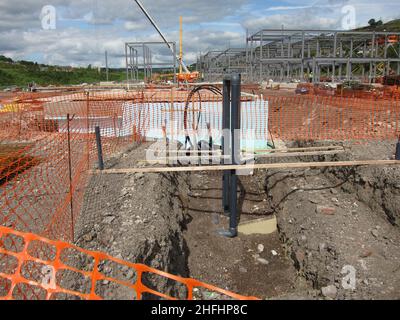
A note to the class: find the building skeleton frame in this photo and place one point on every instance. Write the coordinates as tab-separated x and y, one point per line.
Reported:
139	56
307	55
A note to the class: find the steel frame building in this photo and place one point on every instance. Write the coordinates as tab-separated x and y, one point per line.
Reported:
308	55
216	64
139	56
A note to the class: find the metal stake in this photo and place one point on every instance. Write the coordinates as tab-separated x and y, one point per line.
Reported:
99	148
231	121
71	192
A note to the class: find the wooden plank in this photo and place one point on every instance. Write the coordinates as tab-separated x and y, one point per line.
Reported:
298	165
297	149
256	151
171	160
297	154
185	151
246	157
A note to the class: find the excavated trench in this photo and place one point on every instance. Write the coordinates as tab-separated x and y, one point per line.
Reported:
337	236
340	226
137	218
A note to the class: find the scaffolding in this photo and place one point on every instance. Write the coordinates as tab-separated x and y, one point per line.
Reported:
140	57
216	64
308	56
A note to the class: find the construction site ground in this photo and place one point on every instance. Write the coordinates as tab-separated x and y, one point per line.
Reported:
331	222
338	228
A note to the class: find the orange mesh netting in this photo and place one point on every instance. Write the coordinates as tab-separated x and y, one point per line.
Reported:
46	159
333	118
27	273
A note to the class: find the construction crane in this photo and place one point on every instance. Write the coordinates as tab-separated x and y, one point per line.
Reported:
185	76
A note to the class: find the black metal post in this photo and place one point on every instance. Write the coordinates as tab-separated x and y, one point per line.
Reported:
99	148
235	143
231	121
226	125
210	143
397	157
71	191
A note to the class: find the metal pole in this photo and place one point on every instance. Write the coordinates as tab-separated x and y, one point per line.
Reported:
174	54
247	54
88	129
302	56
127	66
226	118
107	66
235	143
231	121
334	56
99	148
261	57
70	178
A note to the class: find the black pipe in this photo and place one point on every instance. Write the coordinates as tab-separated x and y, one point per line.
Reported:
398	150
235	152
71	191
226	125
99	148
231	124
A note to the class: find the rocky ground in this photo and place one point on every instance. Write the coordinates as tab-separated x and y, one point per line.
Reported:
252	265
338	234
137	218
341	225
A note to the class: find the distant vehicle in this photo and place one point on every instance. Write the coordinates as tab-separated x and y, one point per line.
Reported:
302	90
11	89
392	39
188	77
32	87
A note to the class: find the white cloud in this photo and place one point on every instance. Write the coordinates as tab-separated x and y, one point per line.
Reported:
89	27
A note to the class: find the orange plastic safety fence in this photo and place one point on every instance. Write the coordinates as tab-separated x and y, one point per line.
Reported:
32	267
333	118
45	159
47	141
364	92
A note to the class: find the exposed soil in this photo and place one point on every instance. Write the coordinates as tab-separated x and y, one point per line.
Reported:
136	218
336	220
330	220
237	264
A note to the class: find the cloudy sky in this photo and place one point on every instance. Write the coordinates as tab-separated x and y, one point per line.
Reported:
84	29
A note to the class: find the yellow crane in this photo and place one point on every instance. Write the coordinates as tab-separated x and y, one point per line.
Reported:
184	74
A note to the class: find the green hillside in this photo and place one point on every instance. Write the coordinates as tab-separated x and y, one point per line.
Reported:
20	73
391	26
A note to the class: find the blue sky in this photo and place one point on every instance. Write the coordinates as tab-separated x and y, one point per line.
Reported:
86	28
